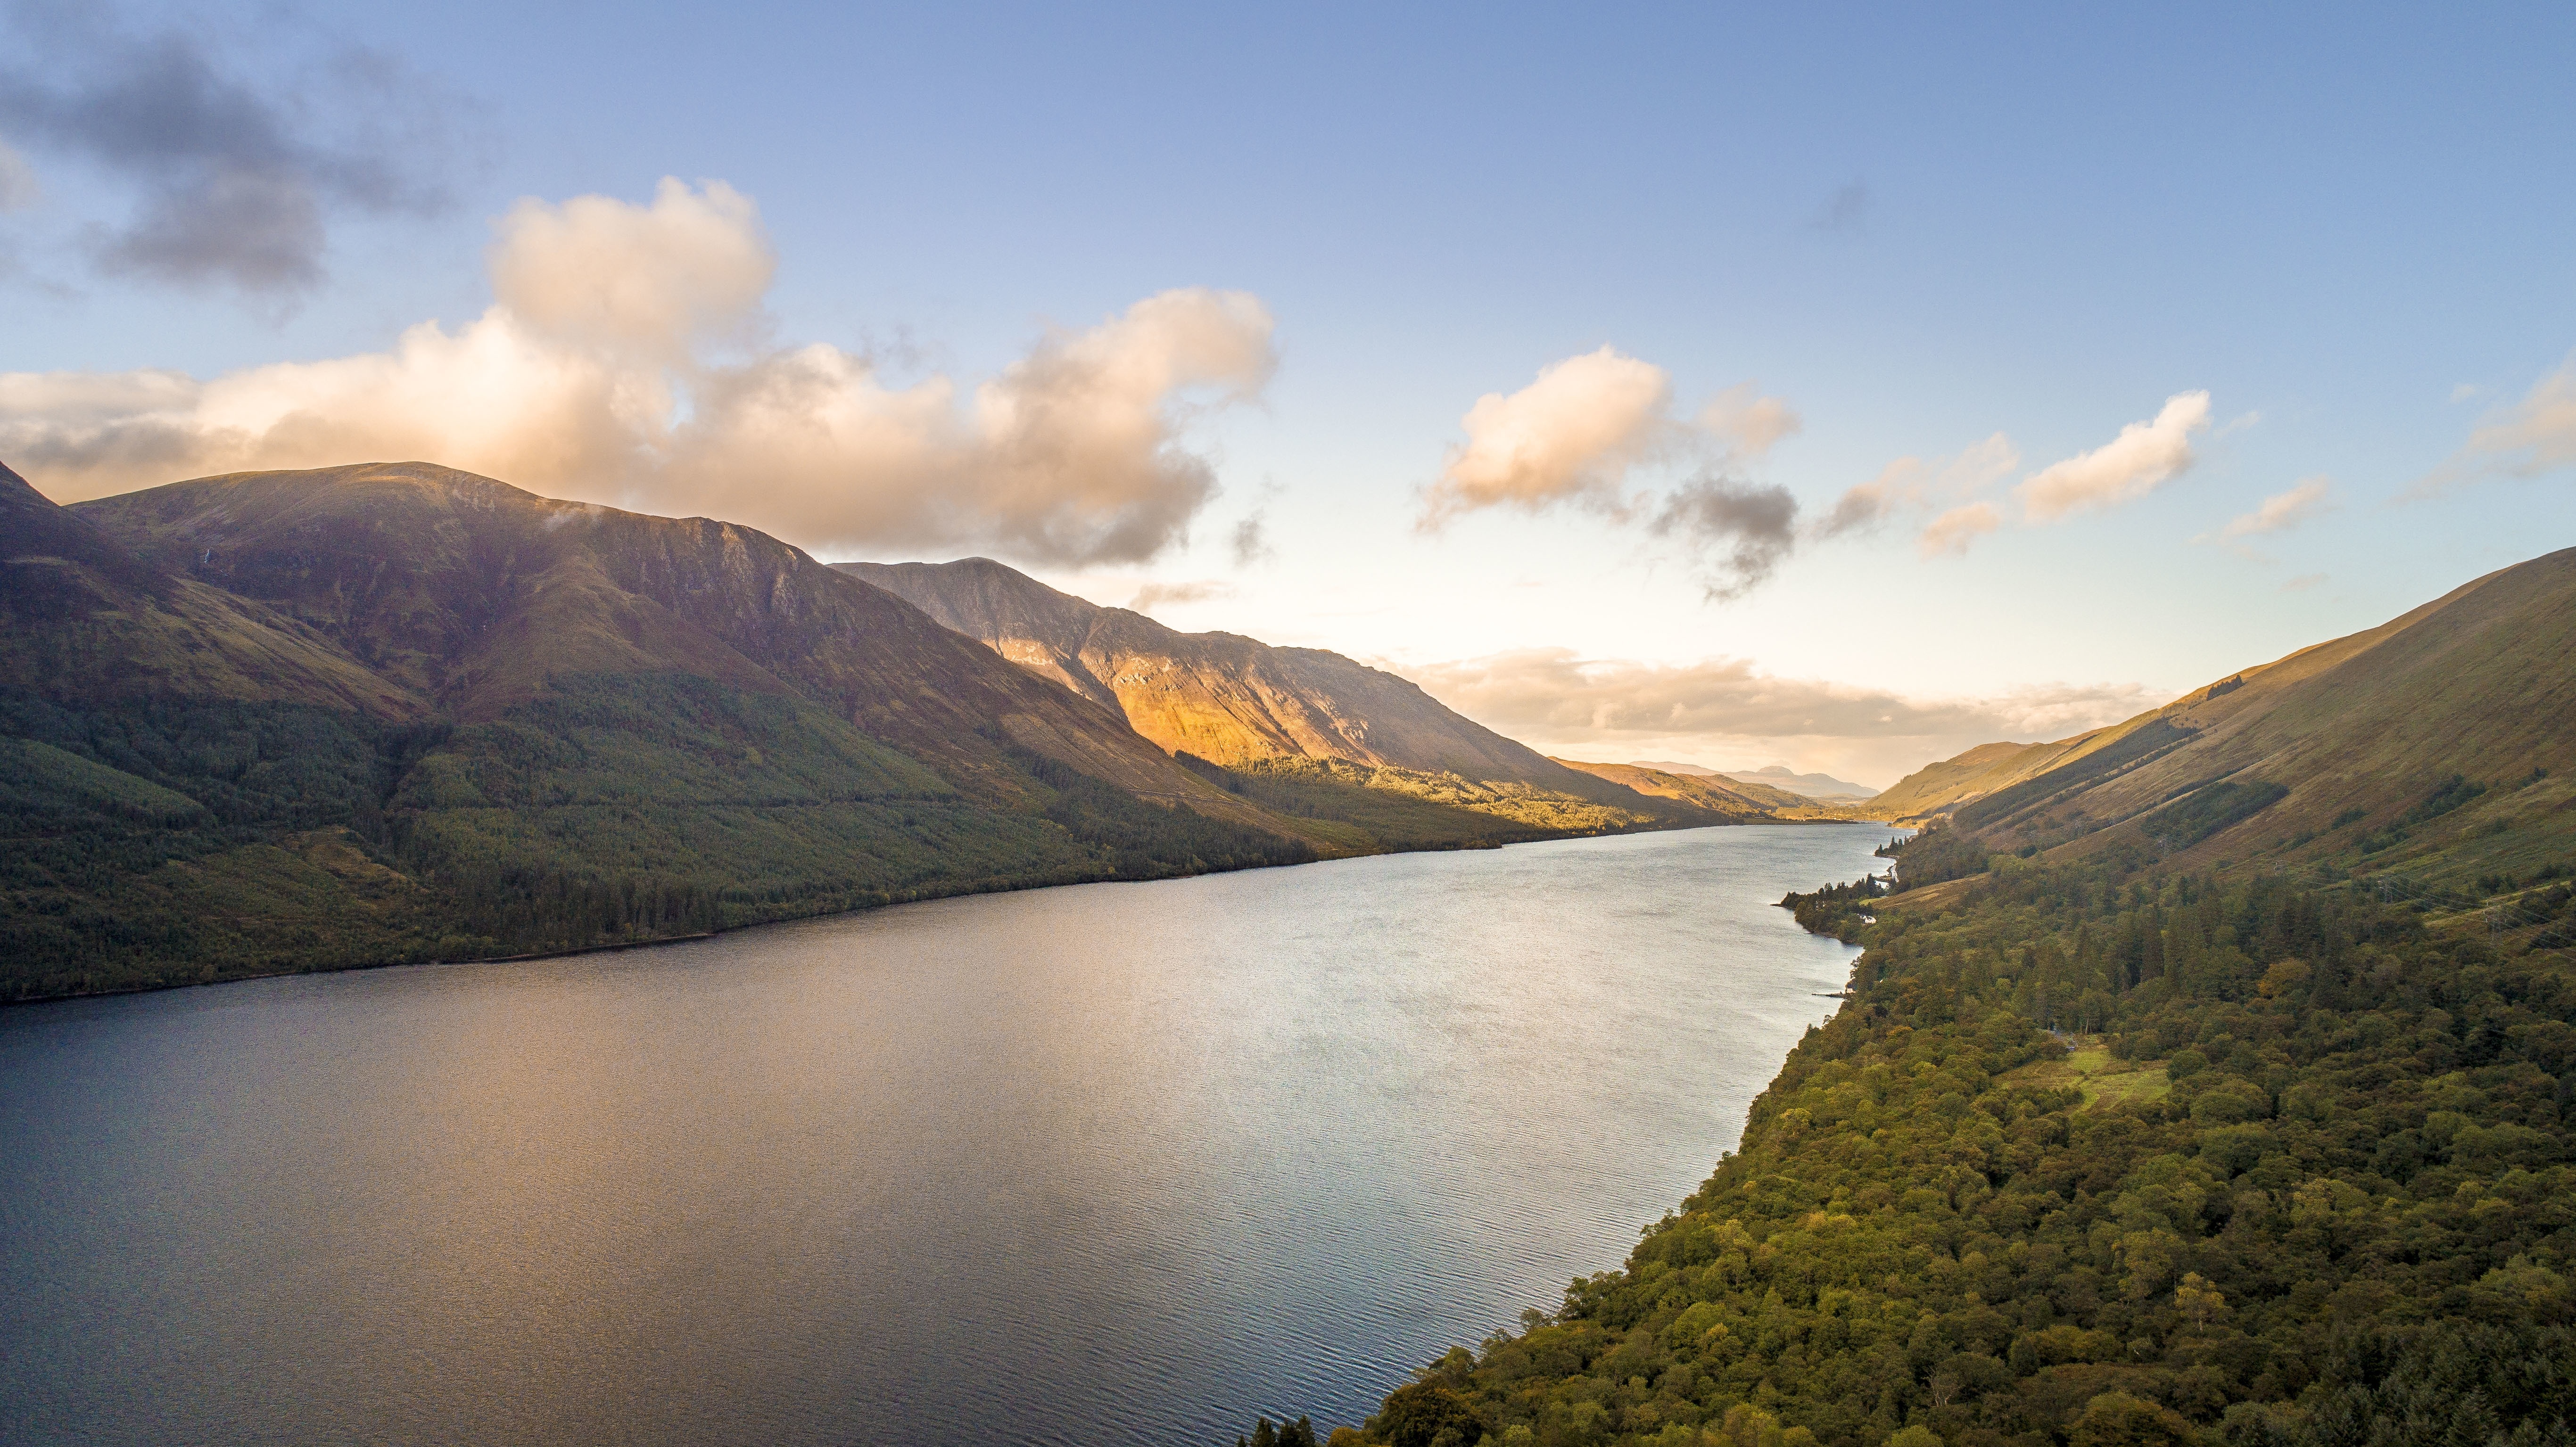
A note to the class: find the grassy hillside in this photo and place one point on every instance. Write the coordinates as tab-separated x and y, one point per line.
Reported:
2339	753
471	594
186	841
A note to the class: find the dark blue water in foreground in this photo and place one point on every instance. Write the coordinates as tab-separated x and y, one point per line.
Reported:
1112	1163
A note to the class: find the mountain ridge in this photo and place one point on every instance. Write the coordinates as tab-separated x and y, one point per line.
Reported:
1220	696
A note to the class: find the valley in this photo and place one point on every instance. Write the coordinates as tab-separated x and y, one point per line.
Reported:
366	715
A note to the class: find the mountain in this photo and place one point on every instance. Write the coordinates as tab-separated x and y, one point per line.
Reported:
1979	771
298	720
1814	786
1714	792
84	616
2435	744
1672	766
1222	697
355	715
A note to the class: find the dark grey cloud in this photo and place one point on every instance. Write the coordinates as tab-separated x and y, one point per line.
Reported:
1739	533
1250	540
237	169
1845	210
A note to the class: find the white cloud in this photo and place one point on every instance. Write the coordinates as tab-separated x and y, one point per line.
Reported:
2533	436
1573	434
1580	430
1952	532
1750	424
1157	595
659	279
592	377
1618	709
1587	424
1912	484
2143	457
2282	511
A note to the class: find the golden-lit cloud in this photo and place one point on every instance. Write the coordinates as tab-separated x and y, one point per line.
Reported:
616	365
1574	434
1749	424
2535	435
1615	709
2282	511
1952	532
1581	431
1912	484
660	280
2142	458
1161	595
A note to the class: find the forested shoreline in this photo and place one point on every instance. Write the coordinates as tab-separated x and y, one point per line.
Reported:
2101	1154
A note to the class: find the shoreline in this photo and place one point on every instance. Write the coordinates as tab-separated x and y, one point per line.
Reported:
920	897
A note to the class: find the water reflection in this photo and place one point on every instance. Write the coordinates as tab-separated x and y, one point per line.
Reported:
1111	1163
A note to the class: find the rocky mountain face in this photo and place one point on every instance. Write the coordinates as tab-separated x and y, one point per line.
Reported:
1711	791
1220	696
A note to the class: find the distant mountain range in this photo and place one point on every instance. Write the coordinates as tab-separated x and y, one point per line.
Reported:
297	720
2437	744
1777	776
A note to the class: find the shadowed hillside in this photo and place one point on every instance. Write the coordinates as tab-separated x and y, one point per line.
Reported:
302	720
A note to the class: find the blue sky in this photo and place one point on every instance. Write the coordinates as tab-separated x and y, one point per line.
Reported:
2353	229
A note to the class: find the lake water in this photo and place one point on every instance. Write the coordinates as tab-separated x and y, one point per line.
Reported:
1104	1164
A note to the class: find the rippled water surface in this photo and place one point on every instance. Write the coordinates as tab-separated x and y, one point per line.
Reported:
1112	1163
